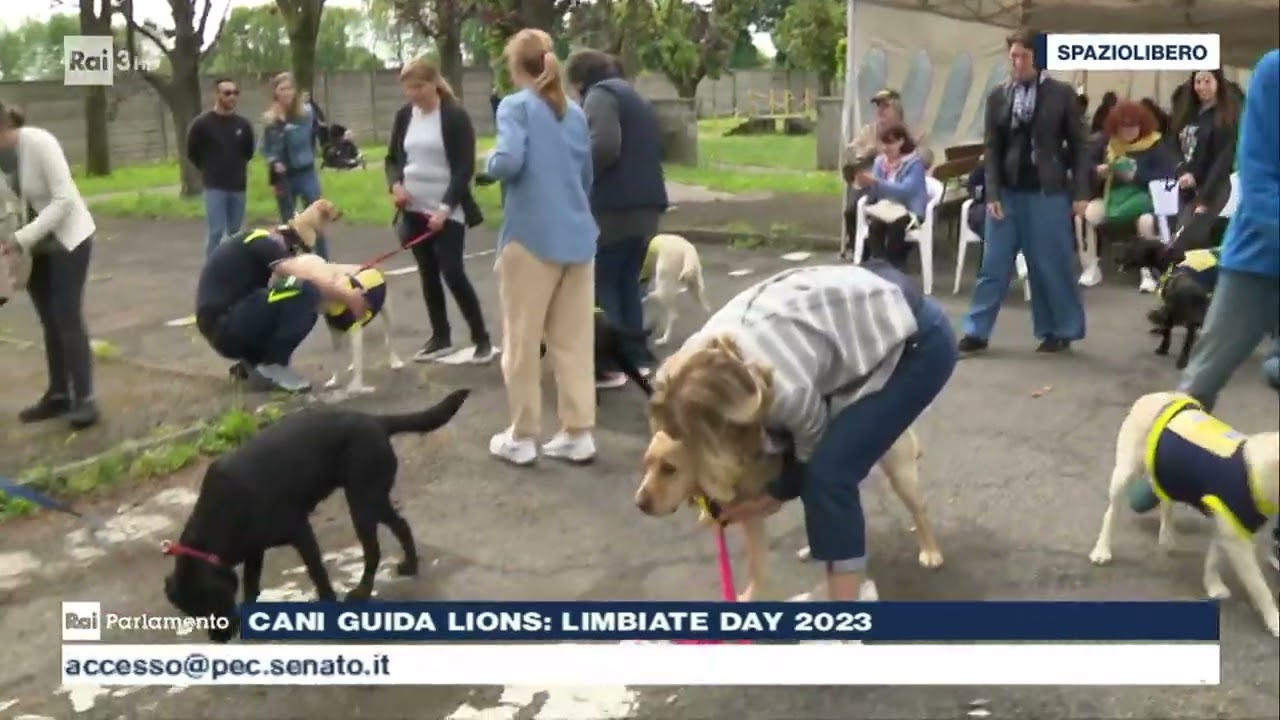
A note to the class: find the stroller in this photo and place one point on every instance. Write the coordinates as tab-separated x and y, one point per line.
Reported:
338	149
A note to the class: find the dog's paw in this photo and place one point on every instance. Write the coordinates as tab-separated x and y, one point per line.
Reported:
1100	555
662	341
396	363
407	568
1215	589
1167	540
359	593
1273	624
1181	364
1162	351
331	383
804	554
749	594
930	559
352	390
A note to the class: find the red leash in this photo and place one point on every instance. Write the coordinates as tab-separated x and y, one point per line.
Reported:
392	253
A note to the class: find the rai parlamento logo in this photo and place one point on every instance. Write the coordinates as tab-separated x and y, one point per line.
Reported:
84	621
94	60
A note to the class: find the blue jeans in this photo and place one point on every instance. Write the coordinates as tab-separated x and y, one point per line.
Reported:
860	434
301	185
618	293
262	331
223	216
1244	308
1031	225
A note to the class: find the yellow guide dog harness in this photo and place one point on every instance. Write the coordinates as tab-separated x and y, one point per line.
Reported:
1196	459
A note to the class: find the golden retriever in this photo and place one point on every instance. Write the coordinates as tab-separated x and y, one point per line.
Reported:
710	463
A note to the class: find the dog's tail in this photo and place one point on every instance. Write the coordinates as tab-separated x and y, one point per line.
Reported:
432	418
691	277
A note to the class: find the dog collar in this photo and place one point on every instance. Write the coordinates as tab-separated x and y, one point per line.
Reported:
172	548
709	506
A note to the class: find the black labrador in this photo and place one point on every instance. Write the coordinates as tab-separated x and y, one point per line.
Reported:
261	496
1184	296
609	343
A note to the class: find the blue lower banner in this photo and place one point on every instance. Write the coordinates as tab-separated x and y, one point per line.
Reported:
491	622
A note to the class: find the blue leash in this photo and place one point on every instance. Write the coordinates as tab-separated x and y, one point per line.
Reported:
31	495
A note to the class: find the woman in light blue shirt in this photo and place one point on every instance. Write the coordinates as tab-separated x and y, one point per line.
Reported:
546	276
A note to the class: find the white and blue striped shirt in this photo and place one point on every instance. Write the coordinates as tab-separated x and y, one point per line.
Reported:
832	334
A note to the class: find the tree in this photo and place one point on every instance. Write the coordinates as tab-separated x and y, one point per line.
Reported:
184	47
95	19
441	22
504	18
253	41
390	32
33	50
693	39
809	34
618	27
302	23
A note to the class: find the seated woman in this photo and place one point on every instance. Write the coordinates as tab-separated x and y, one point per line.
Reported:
1135	154
896	196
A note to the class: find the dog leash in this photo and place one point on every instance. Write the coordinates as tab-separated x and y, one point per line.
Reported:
728	592
392	253
31	495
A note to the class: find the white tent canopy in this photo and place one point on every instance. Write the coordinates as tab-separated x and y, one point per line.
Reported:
943	56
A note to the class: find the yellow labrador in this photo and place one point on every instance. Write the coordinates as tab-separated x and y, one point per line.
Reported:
1241	494
670	482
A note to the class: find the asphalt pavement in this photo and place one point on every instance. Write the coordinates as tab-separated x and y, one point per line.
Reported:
1017	456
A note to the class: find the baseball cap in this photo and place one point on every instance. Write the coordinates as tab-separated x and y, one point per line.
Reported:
885	95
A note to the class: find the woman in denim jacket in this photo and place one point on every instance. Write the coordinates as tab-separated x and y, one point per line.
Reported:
897	176
288	146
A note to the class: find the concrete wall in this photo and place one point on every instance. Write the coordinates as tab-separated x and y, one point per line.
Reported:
828	132
141	129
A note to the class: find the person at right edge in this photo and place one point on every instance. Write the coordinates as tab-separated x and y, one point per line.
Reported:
1036	165
1246	301
628	196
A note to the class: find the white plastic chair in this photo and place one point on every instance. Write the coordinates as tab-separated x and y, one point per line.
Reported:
1234	199
922	235
968	237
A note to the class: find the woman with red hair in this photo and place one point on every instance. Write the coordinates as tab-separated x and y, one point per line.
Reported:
1135	154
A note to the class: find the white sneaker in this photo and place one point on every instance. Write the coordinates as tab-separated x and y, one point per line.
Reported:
867	592
611	381
803	554
1148	284
1091	276
578	448
517	452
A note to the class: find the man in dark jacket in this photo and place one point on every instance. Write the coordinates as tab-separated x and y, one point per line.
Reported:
628	196
1037	174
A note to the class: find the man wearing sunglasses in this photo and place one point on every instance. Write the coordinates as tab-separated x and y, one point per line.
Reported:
220	144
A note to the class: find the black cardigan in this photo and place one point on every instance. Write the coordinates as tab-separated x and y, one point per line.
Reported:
459	148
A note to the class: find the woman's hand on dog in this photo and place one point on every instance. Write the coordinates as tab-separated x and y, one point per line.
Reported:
744	510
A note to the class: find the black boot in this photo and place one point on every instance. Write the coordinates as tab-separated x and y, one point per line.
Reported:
83	415
49	406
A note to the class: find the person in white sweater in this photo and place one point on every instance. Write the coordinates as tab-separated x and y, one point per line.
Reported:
57	235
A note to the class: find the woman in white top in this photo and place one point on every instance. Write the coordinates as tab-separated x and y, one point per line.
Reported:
431	159
58	237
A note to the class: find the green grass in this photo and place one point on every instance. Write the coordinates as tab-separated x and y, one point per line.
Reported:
118	466
782	152
771	163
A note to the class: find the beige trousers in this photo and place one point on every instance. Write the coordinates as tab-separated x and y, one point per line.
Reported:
542	301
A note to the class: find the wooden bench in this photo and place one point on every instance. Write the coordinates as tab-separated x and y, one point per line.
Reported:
961	152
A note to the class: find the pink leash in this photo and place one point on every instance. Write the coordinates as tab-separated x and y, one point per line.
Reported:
728	592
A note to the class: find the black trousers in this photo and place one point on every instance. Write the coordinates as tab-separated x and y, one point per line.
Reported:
888	241
56	287
440	263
